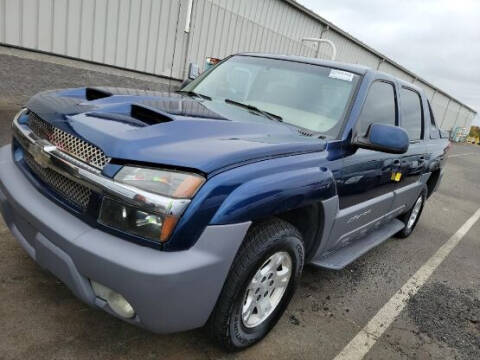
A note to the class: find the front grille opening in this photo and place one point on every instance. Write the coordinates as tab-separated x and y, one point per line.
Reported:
68	189
68	143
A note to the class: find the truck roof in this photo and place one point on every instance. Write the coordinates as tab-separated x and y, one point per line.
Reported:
357	69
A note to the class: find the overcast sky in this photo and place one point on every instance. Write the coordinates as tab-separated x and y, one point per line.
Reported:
437	39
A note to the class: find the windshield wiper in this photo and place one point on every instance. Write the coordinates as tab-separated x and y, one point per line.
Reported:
256	109
193	93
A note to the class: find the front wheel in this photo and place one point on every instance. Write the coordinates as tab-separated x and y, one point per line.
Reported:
411	217
259	286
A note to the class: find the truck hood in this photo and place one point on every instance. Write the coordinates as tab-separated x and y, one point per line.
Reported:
170	129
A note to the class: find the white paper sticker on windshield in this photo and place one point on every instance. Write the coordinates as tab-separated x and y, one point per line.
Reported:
341	75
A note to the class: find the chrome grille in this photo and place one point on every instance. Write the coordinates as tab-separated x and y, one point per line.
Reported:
68	143
40	127
70	190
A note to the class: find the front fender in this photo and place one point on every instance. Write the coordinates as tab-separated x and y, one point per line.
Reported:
276	193
254	191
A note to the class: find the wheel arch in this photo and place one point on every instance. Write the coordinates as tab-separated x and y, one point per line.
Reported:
308	221
321	214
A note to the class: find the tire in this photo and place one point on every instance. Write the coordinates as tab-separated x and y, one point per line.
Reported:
410	225
265	244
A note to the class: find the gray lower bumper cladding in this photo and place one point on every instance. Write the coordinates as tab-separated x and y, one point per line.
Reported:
169	291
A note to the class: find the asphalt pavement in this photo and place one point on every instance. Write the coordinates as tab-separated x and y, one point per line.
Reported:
41	319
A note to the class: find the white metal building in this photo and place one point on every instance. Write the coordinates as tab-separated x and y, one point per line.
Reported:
162	36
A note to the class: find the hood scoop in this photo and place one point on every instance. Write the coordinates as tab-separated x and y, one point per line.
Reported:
139	116
95	94
148	115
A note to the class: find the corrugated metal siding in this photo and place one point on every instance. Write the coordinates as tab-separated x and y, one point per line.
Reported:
463	118
149	36
142	35
390	69
220	28
450	115
439	106
347	51
12	22
470	119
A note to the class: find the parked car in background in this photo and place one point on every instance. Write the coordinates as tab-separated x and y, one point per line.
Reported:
173	211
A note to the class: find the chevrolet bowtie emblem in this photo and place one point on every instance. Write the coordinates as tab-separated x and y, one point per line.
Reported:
41	154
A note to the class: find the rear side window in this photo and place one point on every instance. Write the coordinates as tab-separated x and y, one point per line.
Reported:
411	106
434	131
379	106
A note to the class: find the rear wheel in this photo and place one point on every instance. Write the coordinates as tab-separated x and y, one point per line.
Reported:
259	286
411	217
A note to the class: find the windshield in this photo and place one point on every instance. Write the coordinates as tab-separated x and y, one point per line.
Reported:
308	96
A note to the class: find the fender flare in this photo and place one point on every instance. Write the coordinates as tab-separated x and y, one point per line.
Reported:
274	194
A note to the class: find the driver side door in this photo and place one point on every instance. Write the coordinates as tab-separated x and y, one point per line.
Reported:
366	187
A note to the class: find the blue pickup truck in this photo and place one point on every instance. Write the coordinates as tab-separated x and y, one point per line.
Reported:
174	211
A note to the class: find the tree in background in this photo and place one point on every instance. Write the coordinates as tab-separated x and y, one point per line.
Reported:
475	131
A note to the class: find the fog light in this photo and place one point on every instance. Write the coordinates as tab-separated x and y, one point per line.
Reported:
116	301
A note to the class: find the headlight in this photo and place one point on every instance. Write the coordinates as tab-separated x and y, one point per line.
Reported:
130	219
143	222
174	184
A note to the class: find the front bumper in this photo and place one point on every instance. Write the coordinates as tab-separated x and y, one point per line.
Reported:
170	291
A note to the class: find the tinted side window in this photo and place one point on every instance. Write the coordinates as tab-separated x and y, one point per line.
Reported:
379	106
411	113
